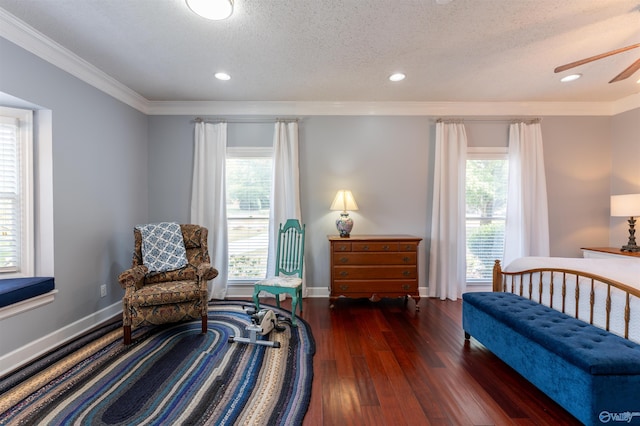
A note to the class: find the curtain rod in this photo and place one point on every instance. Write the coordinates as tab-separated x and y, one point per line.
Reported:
491	120
243	120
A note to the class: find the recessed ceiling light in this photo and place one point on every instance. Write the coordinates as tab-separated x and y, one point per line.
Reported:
570	77
212	9
222	76
397	77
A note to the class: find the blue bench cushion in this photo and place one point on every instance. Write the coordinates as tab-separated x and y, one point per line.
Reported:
18	289
590	348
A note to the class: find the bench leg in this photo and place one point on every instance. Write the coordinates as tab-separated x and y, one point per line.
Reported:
467	336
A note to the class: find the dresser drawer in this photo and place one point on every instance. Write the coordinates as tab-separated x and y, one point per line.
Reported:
340	247
397	258
375	272
375	286
408	246
375	246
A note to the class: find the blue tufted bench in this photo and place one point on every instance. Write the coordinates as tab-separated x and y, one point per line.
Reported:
15	290
593	374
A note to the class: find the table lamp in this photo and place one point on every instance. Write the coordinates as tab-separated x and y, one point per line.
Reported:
627	205
344	201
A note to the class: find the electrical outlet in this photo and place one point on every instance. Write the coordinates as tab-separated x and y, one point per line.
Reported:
103	290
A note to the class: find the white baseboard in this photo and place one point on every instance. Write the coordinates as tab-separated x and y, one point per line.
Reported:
33	350
246	290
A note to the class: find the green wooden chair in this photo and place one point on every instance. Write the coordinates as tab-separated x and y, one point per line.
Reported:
288	272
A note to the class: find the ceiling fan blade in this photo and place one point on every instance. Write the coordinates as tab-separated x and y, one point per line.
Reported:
594	58
627	72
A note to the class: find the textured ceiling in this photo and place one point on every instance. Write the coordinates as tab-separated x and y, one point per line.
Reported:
344	50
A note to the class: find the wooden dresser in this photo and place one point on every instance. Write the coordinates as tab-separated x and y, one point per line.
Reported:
374	266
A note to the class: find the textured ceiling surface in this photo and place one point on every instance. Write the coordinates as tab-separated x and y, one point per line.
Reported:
344	50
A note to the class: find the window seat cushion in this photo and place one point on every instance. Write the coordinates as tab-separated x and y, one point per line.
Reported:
14	290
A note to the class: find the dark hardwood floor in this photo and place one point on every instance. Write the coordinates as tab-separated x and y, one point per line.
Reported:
379	363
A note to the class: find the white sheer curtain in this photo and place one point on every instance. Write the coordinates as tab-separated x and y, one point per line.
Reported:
208	198
285	193
447	257
527	222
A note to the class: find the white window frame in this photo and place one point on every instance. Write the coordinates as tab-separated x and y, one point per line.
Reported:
247	152
26	264
485	153
42	223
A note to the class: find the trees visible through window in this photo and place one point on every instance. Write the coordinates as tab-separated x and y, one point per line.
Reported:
248	185
486	204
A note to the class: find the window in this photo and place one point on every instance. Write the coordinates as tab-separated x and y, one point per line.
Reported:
486	204
248	180
16	193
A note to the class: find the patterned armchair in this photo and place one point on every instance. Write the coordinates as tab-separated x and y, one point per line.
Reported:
172	296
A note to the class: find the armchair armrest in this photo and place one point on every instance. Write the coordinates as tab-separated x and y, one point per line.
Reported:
133	276
206	272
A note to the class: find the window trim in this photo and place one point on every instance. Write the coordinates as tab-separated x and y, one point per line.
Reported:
246	152
484	153
26	266
42	144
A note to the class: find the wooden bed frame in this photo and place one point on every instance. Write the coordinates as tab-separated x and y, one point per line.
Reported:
529	284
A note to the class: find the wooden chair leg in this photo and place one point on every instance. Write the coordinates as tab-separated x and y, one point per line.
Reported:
294	305
127	334
205	322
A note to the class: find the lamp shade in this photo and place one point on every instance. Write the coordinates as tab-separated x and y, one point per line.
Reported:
212	9
625	205
344	201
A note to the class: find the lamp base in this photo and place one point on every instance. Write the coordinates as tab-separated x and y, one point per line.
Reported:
631	244
344	224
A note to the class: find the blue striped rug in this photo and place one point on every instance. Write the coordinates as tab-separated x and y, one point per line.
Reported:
170	375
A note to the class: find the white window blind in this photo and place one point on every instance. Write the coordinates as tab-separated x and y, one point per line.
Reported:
248	182
15	192
486	203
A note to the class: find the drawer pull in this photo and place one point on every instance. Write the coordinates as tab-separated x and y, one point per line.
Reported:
344	287
385	247
344	259
406	273
365	247
344	273
406	286
408	247
342	248
406	259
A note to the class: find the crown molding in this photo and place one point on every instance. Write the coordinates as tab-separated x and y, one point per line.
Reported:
18	32
439	109
21	34
625	104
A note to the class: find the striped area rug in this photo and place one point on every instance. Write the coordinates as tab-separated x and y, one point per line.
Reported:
170	375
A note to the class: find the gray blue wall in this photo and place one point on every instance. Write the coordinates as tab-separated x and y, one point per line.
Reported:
114	167
100	190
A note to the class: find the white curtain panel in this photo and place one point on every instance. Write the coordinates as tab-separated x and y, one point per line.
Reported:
527	222
285	190
208	198
447	257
